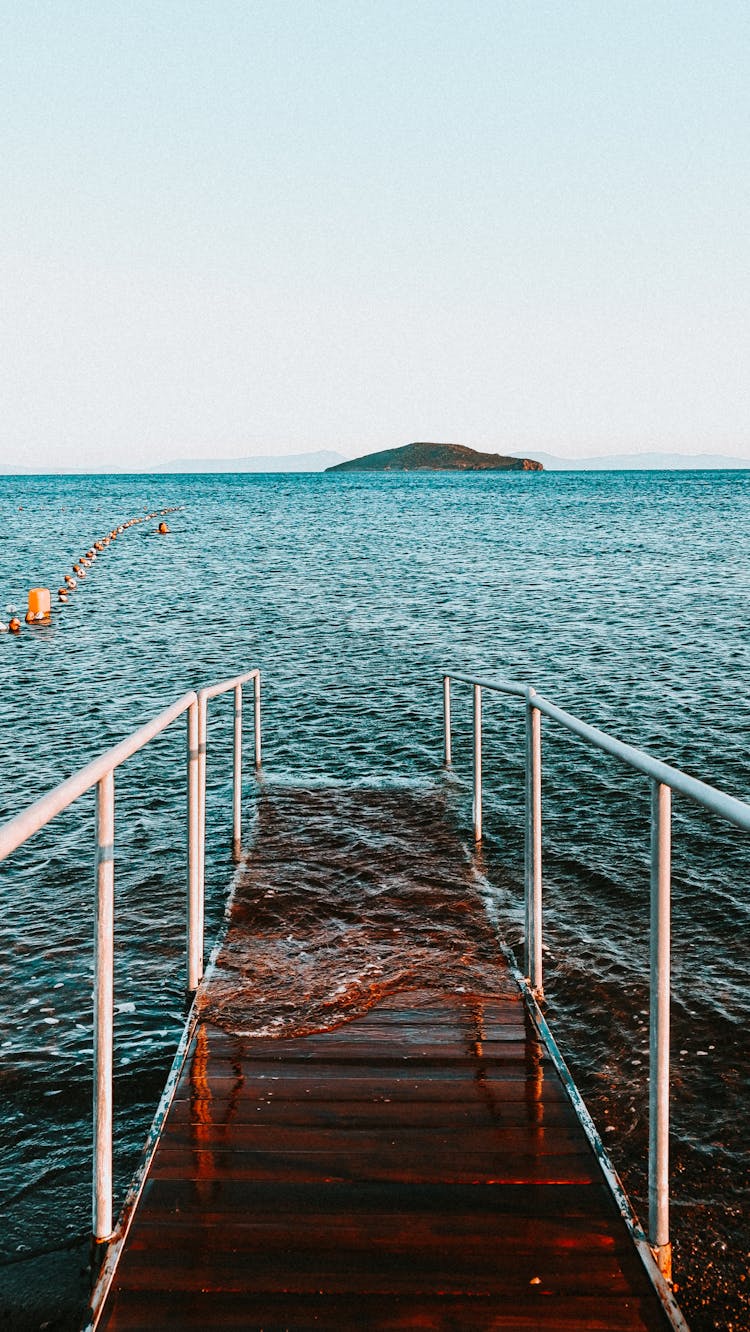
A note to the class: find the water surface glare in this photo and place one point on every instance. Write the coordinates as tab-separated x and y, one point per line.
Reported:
622	596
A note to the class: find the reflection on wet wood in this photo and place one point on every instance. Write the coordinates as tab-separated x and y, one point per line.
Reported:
418	1167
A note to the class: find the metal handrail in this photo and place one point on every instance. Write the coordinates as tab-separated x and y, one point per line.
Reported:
664	779
100	773
34	817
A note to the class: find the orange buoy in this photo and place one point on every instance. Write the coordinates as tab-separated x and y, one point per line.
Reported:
39	602
14	624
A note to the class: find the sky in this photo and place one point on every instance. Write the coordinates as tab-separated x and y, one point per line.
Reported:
231	229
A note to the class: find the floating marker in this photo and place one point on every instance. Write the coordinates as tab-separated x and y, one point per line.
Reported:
39	603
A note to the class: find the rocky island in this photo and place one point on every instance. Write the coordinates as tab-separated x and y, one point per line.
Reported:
436	458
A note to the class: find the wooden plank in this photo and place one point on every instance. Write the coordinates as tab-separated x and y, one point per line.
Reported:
361	1227
513	1066
142	1312
388	1057
298	1272
447	1112
308	1167
392	1135
275	1087
527	1199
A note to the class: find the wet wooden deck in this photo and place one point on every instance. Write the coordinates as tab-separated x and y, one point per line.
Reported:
420	1167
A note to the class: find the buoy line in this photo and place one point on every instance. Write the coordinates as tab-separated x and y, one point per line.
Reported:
40	610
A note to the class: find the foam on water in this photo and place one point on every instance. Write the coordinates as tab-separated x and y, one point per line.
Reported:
348	896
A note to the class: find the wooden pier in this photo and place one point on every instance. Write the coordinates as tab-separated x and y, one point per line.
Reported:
419	1167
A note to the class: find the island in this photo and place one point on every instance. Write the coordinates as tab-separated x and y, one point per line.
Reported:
426	457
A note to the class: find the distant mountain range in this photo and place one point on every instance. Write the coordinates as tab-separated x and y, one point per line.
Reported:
643	462
290	462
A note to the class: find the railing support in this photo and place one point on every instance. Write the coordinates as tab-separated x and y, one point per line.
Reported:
237	777
447	719
477	763
194	940
103	1005
256	717
533	848
658	1141
201	886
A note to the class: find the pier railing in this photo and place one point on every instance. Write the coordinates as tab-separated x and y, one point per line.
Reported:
664	780
101	774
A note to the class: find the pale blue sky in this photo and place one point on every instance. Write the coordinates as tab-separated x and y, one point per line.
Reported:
234	228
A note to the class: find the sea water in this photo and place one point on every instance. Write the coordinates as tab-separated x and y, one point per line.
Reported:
621	596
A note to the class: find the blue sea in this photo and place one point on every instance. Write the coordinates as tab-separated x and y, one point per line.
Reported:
624	597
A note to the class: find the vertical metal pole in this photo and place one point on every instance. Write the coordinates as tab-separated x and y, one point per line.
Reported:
527	853
447	718
103	1005
533	847
237	786
477	763
658	1140
201	885
256	708
194	942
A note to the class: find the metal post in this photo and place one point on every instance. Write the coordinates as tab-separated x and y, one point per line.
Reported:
447	718
103	1005
533	847
256	710
237	786
201	885
658	1140
194	941
477	763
